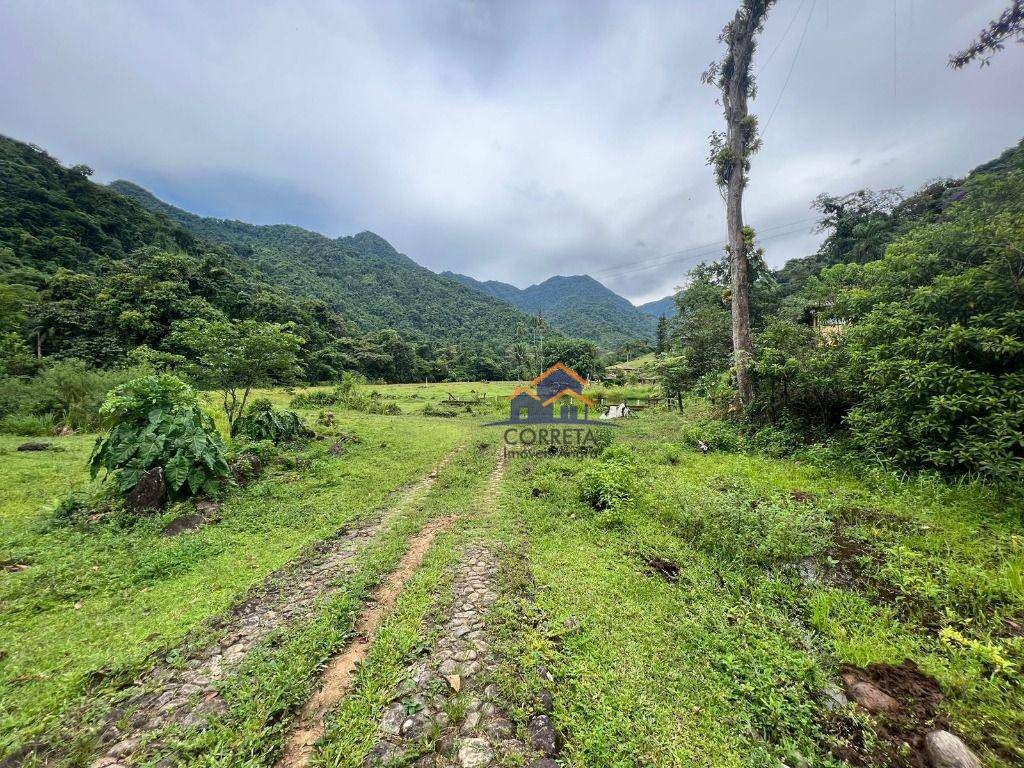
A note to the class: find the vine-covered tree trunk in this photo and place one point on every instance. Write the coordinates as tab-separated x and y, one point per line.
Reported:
730	155
741	48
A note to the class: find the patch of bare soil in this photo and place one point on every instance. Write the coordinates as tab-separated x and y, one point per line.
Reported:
659	566
905	704
186	695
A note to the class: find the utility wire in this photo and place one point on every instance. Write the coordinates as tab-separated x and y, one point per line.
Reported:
792	66
781	39
711	251
667	258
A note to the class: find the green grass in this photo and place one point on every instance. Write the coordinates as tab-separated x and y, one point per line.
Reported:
98	598
723	666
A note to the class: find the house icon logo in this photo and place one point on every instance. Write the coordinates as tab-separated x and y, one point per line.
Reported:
558	400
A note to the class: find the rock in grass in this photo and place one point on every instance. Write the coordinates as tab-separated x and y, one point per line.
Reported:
948	751
392	721
150	493
474	753
34	446
543	736
834	697
184	523
872	698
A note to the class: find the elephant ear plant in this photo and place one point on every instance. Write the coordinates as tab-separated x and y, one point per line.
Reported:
156	422
265	422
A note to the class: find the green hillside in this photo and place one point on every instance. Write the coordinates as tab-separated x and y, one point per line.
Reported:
363	277
90	273
576	305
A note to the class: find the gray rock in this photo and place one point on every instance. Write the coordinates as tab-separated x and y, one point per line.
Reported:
381	755
544	762
499	728
392	721
474	753
416	726
547	701
834	697
543	736
948	751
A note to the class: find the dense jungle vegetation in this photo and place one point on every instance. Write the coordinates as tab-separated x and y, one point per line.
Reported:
919	307
93	284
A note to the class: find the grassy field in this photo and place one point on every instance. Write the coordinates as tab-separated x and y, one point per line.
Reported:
97	598
695	622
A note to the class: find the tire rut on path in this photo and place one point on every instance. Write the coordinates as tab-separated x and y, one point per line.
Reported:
186	697
338	677
448	711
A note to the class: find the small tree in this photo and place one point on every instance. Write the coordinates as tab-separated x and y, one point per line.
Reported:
662	335
234	356
676	376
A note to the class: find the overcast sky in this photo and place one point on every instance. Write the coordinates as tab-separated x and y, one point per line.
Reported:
511	140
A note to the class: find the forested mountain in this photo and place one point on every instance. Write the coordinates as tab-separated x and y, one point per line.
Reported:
577	305
361	277
87	272
665	307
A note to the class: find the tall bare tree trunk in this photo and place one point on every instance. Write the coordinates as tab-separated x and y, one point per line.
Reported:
731	157
742	48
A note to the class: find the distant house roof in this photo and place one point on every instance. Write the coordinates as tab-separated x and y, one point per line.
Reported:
569	393
559	367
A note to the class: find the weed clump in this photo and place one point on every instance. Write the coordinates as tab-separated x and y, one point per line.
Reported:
262	421
609	483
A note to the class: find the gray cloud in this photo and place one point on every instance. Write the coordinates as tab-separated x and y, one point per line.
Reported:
510	141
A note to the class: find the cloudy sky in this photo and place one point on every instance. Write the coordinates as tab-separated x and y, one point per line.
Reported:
507	140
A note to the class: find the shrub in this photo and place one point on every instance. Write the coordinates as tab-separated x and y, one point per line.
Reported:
327	397
26	425
156	421
935	338
608	483
800	380
714	435
443	411
776	441
345	395
69	392
262	421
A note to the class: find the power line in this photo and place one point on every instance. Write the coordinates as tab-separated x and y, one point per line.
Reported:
781	39
668	258
792	66
711	250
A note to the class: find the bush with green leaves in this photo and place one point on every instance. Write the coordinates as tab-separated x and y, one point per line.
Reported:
26	425
607	484
936	338
714	436
262	421
799	379
67	392
156	421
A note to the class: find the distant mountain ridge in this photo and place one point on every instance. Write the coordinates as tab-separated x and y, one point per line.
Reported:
361	276
366	279
577	305
665	307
